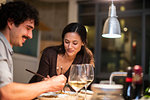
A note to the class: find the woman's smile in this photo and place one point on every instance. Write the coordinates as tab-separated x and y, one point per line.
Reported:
70	50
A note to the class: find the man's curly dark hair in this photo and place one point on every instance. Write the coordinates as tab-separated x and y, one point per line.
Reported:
18	12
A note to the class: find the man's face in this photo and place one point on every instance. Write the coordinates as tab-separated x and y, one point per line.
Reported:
19	34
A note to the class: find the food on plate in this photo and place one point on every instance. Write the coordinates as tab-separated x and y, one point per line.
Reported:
49	96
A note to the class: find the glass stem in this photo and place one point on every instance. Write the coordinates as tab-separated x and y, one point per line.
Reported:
85	92
76	95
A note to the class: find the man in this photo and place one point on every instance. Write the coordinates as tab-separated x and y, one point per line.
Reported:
17	20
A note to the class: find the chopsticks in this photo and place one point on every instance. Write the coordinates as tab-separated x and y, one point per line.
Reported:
61	70
35	73
42	75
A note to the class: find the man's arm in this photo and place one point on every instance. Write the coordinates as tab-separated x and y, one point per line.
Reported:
19	91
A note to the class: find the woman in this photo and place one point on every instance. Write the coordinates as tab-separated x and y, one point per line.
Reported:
57	60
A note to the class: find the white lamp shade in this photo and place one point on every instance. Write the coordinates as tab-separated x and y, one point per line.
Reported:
111	28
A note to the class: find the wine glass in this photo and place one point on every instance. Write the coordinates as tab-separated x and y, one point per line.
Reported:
77	77
89	75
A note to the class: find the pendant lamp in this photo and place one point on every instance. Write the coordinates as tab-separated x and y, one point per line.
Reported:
111	27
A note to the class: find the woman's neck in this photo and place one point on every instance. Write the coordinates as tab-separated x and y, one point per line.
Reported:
69	58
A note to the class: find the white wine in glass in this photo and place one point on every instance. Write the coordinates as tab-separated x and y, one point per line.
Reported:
77	85
77	77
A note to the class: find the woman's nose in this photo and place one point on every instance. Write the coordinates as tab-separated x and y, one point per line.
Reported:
70	45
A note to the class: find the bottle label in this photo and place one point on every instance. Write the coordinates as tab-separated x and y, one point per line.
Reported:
137	79
128	79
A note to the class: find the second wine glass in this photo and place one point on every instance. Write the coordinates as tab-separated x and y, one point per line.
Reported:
89	75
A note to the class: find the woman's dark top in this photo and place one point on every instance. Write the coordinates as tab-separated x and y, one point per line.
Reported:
48	62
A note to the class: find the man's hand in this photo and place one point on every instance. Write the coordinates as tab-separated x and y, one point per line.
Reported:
56	83
47	78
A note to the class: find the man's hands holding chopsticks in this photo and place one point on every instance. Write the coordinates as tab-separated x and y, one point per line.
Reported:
56	83
52	84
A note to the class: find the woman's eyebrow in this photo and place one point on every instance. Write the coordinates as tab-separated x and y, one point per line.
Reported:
75	41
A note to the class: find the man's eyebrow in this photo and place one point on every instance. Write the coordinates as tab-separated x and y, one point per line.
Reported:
30	26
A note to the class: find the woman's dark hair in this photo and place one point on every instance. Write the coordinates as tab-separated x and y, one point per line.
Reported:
74	27
18	12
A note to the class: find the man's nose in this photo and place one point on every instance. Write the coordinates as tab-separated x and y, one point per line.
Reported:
30	35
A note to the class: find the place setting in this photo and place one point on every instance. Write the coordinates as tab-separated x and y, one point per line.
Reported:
80	77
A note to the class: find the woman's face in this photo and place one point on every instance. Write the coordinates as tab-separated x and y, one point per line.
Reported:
72	43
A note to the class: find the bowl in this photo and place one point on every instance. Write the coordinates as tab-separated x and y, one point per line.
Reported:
107	88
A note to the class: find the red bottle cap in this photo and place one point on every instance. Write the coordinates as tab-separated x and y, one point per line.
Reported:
137	69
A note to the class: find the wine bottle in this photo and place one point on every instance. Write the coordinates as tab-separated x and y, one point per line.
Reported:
128	88
137	82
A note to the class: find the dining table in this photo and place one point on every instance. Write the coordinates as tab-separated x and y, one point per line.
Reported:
67	95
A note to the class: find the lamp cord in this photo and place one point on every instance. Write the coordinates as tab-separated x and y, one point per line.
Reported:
112	1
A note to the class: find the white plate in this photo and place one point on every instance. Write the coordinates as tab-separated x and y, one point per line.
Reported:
55	95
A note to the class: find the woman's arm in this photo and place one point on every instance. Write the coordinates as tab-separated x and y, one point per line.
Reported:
44	67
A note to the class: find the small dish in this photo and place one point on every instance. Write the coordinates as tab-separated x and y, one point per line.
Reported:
87	92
